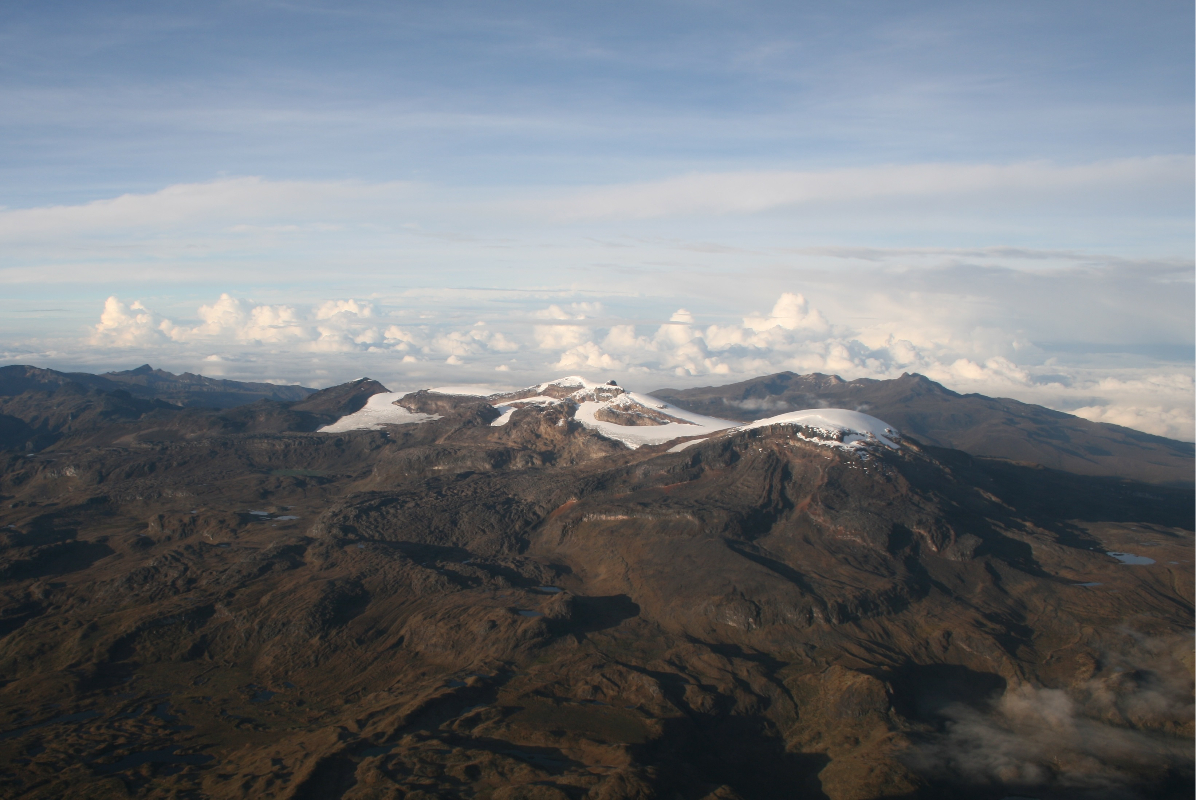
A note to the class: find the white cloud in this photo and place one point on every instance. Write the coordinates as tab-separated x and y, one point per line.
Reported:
791	313
402	338
128	326
350	308
233	202
588	356
1156	397
474	341
991	372
556	337
569	311
1176	423
232	318
625	338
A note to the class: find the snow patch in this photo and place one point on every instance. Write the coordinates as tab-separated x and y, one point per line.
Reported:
506	413
839	427
380	410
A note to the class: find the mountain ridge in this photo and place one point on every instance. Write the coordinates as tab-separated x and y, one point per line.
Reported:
984	426
922	409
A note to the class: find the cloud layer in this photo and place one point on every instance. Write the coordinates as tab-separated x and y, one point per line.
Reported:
282	230
414	341
990	185
705	277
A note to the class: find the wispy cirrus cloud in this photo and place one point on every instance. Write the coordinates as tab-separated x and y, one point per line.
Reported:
1029	184
280	229
228	204
246	204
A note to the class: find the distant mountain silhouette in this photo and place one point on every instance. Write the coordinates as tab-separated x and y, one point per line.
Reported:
40	407
145	382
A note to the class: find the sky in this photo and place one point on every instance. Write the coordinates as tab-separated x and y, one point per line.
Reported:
1000	196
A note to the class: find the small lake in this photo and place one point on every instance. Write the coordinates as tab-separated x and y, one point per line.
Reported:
1131	559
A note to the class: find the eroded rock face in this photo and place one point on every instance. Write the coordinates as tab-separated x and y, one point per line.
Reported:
637	416
448	405
455	609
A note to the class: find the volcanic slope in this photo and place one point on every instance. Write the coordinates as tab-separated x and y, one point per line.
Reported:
197	606
930	413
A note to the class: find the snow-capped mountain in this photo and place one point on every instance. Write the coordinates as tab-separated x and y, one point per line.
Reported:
632	418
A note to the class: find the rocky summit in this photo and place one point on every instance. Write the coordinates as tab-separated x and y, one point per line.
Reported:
577	591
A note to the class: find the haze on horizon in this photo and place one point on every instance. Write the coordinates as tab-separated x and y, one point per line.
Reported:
998	196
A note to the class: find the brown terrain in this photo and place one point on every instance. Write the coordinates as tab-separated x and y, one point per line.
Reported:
206	603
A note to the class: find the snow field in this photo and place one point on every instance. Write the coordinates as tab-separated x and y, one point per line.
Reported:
836	427
379	411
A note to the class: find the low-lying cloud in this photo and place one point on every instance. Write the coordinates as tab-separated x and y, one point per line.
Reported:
1108	738
398	342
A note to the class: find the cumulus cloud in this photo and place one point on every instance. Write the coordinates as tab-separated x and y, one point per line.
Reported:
556	337
332	326
791	313
569	311
589	356
129	325
232	318
332	309
472	342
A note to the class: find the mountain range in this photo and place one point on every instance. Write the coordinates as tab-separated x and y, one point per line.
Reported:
145	382
795	586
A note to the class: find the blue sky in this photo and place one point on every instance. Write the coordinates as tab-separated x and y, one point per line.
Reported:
959	177
115	97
